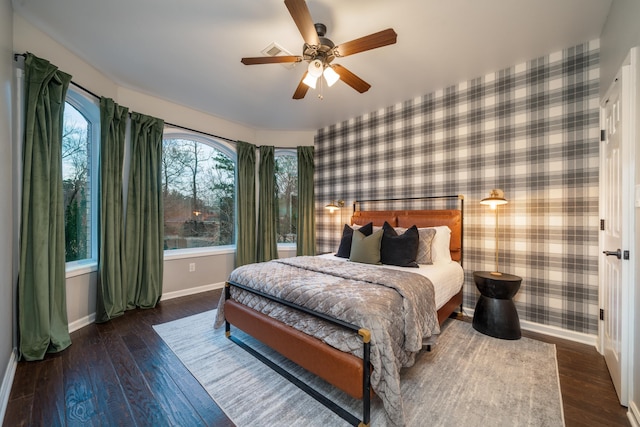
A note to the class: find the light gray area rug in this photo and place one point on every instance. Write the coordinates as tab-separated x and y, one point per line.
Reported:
468	379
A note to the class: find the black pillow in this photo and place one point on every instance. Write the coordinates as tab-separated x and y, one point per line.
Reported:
344	250
399	250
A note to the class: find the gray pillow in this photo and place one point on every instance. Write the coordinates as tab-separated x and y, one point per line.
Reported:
366	249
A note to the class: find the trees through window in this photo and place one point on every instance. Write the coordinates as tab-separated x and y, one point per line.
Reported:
78	176
287	183
198	186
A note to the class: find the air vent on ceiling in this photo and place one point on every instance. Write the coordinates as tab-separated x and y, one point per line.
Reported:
274	49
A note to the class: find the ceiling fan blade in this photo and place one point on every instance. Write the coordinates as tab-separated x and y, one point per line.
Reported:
372	41
302	17
302	88
351	79
270	60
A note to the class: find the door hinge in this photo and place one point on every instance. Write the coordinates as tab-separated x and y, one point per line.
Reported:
625	255
601	314
602	225
603	135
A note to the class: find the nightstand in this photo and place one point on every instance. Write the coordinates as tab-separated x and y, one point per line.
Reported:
495	314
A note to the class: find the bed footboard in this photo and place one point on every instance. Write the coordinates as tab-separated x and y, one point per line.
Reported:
345	371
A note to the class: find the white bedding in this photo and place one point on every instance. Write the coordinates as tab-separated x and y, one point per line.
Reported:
447	277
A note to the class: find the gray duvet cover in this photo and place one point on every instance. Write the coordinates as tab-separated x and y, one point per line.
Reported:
398	308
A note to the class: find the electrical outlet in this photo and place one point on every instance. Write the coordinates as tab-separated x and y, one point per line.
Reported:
192	267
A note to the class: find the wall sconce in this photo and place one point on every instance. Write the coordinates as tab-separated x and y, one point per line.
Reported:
334	206
495	199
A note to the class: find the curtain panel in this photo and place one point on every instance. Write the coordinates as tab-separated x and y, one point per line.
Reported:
306	238
267	206
111	294
246	190
42	307
144	224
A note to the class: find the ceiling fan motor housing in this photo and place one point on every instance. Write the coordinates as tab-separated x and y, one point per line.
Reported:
324	51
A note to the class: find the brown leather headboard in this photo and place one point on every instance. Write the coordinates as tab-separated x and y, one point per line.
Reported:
421	218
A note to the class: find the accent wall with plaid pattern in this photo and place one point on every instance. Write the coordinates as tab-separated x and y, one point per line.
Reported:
531	130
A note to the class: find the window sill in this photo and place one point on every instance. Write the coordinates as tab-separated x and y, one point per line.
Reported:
79	268
198	252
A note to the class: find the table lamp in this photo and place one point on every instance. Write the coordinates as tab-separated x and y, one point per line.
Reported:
495	199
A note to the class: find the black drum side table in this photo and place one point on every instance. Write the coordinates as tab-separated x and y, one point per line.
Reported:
495	314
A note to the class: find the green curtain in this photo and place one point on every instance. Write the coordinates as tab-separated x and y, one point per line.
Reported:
246	239
111	297
144	224
42	306
306	238
267	206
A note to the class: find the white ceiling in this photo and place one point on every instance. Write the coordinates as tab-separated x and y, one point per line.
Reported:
188	51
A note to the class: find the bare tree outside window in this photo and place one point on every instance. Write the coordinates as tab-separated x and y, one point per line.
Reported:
287	182
75	184
199	195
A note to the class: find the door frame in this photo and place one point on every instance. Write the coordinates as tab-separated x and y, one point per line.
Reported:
626	76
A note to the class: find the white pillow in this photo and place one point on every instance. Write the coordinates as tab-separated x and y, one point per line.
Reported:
440	252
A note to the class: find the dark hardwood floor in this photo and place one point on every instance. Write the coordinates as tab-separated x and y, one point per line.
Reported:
122	373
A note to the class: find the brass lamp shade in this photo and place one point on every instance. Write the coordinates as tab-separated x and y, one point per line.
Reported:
334	206
496	198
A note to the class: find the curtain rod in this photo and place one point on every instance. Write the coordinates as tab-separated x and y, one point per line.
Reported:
96	96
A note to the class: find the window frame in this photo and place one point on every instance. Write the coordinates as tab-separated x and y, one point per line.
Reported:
226	149
89	108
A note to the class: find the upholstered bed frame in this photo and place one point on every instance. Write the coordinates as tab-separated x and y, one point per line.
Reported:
343	370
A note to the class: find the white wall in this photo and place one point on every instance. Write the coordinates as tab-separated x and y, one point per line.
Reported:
621	32
7	280
212	269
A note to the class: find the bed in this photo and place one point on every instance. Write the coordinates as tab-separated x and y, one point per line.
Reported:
269	301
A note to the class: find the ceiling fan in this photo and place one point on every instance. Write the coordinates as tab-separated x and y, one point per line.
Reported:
320	52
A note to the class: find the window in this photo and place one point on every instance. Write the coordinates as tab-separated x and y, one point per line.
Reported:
79	179
287	182
198	179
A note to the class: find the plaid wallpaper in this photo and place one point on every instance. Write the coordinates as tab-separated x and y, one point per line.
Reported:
531	130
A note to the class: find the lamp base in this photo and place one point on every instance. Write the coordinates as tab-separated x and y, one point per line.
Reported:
496	273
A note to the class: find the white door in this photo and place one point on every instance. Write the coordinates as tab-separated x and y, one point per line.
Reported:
616	210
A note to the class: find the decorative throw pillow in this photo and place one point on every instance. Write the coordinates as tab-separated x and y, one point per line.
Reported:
425	246
366	249
400	250
344	250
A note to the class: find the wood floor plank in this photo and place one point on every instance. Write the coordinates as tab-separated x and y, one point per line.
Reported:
211	415
111	406
48	398
140	375
173	402
143	406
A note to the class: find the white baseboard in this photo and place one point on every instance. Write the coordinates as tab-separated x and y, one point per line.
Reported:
82	322
634	414
91	318
191	291
553	331
7	382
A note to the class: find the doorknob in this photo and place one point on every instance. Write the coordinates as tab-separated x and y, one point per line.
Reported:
618	253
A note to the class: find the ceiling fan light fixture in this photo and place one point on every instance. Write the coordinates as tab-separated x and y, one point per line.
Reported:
330	76
310	80
315	68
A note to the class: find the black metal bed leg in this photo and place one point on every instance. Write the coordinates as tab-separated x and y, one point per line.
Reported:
366	377
227	296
